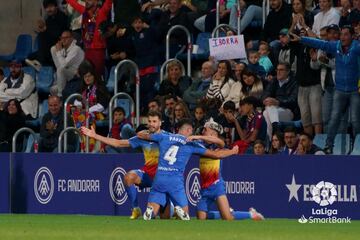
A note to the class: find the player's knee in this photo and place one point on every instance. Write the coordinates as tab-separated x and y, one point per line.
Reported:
129	179
201	215
228	217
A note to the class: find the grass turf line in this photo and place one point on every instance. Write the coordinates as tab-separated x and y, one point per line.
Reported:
37	227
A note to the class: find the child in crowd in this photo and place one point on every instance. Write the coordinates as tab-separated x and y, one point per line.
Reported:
121	129
199	118
259	147
254	65
264	60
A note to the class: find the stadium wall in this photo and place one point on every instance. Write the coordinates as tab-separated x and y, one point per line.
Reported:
277	186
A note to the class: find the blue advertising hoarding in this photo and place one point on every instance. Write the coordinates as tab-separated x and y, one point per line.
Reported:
278	186
4	182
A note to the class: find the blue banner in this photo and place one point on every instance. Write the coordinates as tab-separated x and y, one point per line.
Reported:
4	182
277	186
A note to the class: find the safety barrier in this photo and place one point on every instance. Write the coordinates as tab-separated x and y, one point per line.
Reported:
22	130
189	45
111	105
61	135
163	66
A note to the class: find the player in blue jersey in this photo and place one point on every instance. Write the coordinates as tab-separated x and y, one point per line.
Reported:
141	177
175	152
213	191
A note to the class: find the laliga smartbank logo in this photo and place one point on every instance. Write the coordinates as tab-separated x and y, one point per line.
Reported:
323	194
43	185
117	187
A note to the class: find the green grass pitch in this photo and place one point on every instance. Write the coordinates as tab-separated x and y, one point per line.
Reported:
50	227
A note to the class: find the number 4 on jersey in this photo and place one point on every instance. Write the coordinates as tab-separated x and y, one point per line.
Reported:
170	155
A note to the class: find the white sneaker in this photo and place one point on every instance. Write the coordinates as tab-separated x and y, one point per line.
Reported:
34	63
256	216
148	213
181	213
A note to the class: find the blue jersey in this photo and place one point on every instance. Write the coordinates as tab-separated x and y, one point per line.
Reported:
175	152
151	154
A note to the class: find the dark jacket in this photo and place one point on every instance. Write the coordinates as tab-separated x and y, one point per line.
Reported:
125	10
305	75
352	17
166	22
146	47
286	95
9	124
276	21
167	88
192	95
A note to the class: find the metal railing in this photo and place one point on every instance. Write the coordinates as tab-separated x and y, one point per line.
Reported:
238	16
189	45
62	133
163	66
217	14
217	28
111	103
137	82
22	130
71	97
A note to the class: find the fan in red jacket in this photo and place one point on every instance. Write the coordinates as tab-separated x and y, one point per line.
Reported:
94	43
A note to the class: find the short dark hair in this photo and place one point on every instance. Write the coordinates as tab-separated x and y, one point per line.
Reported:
154	114
156	100
229	105
170	96
350	28
119	109
309	136
286	65
250	100
46	3
183	122
290	129
259	141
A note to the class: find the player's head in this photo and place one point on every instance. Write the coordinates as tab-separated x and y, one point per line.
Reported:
212	128
154	121
185	127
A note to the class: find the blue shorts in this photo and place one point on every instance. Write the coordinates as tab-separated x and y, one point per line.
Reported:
168	187
146	180
209	195
177	197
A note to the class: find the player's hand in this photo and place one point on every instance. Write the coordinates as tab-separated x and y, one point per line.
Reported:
235	149
146	6
88	132
143	134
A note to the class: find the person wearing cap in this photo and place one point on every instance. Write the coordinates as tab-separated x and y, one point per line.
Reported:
328	15
254	126
20	86
285	53
346	96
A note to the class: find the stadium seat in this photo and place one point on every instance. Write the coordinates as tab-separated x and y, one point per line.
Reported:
30	71
203	52
111	80
320	140
356	148
22	50
341	144
45	79
6	71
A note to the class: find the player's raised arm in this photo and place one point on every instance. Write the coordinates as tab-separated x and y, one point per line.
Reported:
208	139
109	141
221	153
145	135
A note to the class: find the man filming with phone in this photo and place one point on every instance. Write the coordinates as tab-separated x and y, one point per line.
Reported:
67	57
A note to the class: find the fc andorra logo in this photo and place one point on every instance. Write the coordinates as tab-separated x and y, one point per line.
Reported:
117	187
193	186
44	185
324	193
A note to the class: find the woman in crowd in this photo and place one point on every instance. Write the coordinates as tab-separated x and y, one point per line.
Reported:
277	143
180	111
12	118
251	85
